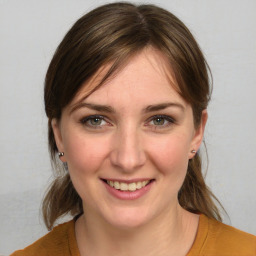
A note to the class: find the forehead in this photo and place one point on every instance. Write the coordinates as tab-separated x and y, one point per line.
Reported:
147	77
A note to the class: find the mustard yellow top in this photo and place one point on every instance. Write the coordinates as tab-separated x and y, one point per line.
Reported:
213	239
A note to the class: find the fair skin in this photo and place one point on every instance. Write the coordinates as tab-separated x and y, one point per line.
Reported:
134	128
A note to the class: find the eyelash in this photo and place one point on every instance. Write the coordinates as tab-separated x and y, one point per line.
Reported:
170	121
85	121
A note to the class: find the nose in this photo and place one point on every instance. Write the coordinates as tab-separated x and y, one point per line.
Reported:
128	154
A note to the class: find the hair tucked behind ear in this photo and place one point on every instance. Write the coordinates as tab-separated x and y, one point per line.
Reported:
109	36
61	199
194	195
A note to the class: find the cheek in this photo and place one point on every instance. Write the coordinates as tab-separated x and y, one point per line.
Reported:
170	155
85	154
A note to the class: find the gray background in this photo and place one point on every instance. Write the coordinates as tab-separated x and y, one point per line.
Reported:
29	33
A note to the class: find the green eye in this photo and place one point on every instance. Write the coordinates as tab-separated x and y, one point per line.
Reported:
159	121
95	121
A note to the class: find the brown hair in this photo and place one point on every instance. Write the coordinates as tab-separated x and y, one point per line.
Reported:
112	34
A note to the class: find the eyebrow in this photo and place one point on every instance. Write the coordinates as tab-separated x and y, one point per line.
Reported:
152	108
109	109
97	107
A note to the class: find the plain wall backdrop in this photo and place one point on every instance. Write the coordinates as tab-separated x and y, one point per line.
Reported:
30	31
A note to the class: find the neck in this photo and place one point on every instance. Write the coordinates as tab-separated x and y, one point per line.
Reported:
172	233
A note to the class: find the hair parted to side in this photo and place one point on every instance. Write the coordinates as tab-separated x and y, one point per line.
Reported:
112	34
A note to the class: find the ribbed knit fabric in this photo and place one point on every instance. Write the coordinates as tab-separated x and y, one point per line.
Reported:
217	239
213	239
61	241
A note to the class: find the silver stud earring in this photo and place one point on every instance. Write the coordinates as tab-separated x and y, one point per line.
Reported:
193	151
61	154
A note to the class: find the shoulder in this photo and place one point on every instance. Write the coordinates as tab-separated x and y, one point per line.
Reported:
223	239
56	242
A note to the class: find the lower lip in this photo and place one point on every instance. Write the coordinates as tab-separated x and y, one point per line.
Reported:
128	195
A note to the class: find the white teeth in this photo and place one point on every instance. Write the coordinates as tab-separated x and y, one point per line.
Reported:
123	186
127	186
139	185
116	185
132	187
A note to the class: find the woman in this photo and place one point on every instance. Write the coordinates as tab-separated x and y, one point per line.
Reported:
126	95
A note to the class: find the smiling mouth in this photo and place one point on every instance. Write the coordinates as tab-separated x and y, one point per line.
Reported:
123	186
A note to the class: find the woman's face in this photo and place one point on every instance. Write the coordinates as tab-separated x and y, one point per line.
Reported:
127	144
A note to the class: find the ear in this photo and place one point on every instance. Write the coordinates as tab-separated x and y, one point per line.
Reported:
199	134
58	138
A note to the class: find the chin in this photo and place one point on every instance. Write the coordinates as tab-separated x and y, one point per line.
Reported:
128	219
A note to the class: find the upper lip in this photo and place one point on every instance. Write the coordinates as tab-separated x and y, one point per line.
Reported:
127	180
